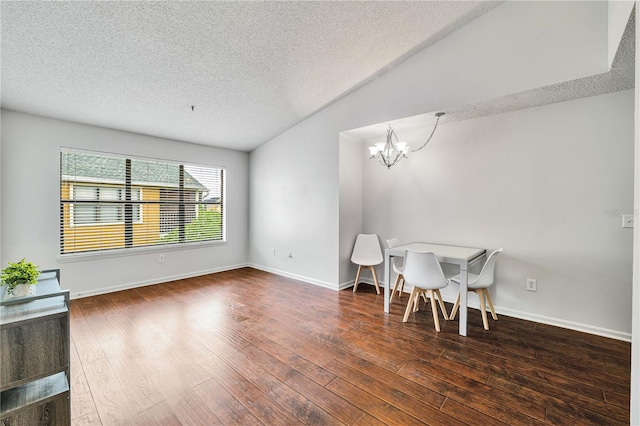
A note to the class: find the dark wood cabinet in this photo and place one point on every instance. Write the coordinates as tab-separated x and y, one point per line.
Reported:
34	355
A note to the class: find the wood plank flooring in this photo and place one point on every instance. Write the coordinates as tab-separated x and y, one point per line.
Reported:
246	347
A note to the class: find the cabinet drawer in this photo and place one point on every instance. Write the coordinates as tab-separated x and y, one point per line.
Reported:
54	412
33	349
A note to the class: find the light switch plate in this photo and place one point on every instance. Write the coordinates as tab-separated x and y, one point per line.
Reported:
627	221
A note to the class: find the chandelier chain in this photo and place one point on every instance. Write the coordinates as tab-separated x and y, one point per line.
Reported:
438	115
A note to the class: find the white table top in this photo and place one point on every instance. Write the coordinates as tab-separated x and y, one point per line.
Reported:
445	254
462	256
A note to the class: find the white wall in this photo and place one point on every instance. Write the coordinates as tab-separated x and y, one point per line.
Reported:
293	199
351	214
635	342
1	190
30	204
294	185
547	184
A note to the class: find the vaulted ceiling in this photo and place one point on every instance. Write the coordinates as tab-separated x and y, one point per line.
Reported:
226	74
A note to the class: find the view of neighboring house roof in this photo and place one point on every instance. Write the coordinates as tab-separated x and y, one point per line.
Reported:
81	167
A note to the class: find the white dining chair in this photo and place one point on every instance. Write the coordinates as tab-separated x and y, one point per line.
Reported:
398	266
422	270
367	253
479	284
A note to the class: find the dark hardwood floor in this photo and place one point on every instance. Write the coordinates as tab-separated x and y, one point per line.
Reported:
247	347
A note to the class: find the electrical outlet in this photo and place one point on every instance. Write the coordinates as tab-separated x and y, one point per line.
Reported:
627	221
161	258
532	285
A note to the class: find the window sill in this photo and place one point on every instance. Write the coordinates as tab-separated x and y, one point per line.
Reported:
81	257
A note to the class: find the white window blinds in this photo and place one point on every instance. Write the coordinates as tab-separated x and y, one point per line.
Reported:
109	202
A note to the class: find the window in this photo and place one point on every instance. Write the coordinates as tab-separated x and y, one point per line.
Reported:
169	213
94	213
110	202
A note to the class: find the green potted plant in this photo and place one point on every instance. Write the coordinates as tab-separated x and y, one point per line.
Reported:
19	276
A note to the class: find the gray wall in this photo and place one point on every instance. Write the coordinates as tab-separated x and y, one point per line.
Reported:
548	184
30	204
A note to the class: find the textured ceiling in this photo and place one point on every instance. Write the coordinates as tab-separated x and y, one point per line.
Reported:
251	69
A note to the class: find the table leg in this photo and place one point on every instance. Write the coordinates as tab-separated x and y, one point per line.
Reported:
463	300
387	279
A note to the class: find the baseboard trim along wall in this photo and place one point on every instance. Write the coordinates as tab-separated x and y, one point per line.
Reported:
613	334
585	328
598	331
128	286
324	284
350	284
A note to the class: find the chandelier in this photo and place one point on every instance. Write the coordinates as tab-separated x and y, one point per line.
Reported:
392	151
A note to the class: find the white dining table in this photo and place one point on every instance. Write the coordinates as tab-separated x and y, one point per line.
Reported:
464	257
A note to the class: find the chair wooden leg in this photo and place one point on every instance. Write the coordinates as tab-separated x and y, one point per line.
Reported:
410	304
434	309
483	309
421	293
355	286
416	300
375	278
454	311
493	311
395	287
401	288
442	307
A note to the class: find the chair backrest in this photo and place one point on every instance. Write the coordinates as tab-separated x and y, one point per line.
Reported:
422	269
397	261
393	242
485	278
366	250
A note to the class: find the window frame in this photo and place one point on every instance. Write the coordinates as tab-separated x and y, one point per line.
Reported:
72	207
189	239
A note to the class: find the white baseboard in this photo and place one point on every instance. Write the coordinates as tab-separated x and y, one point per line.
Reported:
313	281
598	331
557	322
105	290
350	284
